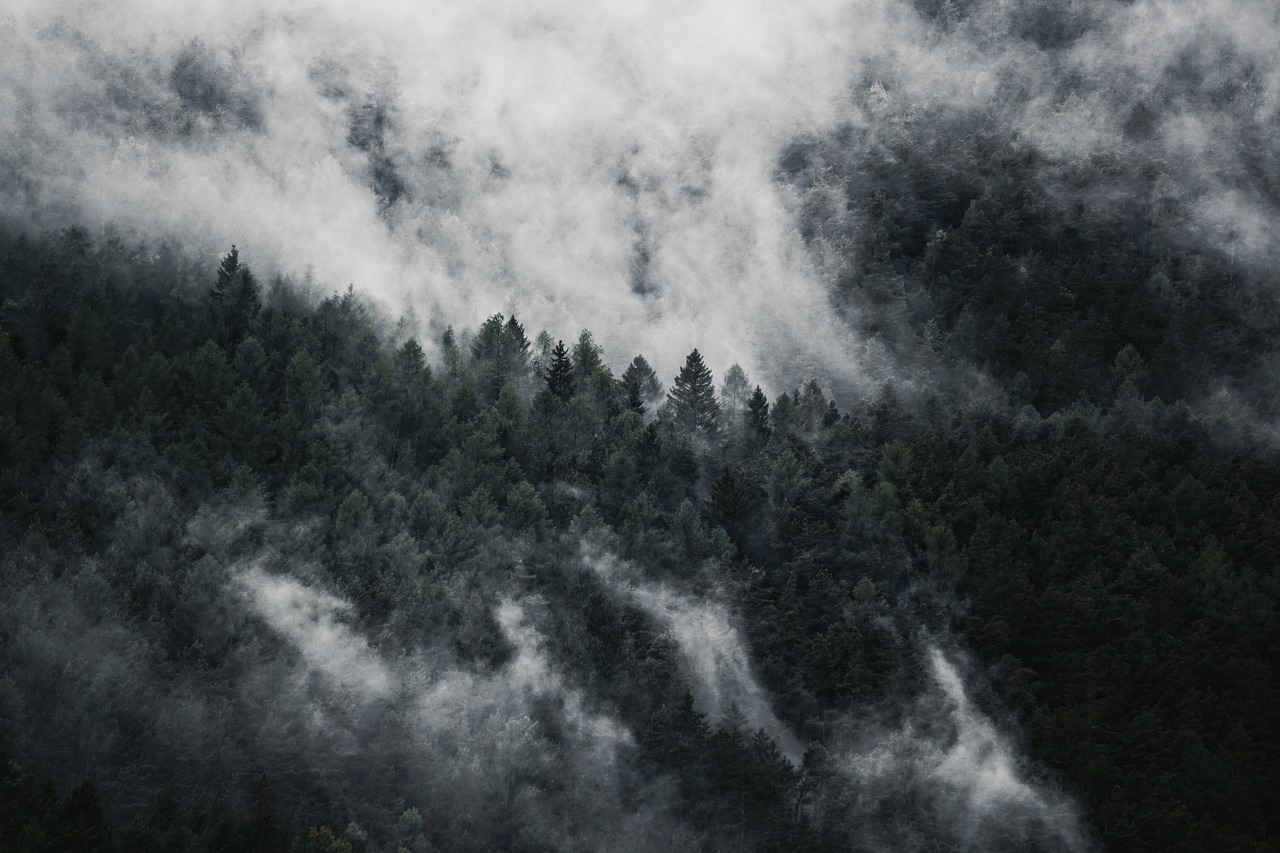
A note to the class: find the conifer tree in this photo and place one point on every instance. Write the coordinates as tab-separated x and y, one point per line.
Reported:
227	272
758	415
235	298
693	396
641	384
560	372
501	354
517	344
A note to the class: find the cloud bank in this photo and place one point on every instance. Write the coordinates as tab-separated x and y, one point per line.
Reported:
604	166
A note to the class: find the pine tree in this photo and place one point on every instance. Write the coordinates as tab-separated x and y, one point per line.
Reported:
227	272
758	415
487	344
517	344
811	407
560	372
641	384
693	396
235	299
409	362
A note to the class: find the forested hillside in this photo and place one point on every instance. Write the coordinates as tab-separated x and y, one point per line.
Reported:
274	578
816	426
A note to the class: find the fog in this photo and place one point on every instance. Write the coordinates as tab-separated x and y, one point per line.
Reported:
605	167
518	739
948	754
965	778
714	653
586	166
612	167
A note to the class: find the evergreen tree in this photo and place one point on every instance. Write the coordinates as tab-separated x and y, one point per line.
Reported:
409	362
560	373
227	271
758	415
235	299
641	384
487	344
501	353
517	344
693	397
811	408
586	359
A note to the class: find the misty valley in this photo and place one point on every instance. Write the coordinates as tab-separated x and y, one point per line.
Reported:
819	426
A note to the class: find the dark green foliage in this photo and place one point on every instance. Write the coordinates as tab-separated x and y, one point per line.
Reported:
560	374
501	353
972	247
692	398
234	300
1110	560
641	384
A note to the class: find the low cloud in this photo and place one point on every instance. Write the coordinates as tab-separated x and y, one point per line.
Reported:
591	166
713	653
952	760
311	620
512	750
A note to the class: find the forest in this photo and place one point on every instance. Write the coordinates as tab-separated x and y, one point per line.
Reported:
272	580
564	426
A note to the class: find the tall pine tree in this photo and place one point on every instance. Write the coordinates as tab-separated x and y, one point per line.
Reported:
758	415
560	372
693	397
234	300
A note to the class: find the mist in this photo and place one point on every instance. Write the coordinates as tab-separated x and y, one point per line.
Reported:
946	752
609	168
276	537
967	780
612	169
714	654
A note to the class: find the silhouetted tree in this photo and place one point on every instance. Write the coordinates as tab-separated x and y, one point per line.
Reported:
693	397
235	299
559	378
758	415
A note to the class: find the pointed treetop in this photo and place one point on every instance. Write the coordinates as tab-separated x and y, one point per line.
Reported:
693	396
641	384
560	372
228	268
758	414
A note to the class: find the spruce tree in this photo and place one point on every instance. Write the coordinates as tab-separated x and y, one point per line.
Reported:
227	272
693	396
517	344
641	384
234	300
560	372
758	415
500	351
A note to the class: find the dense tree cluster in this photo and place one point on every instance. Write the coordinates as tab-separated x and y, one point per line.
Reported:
958	243
1111	562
